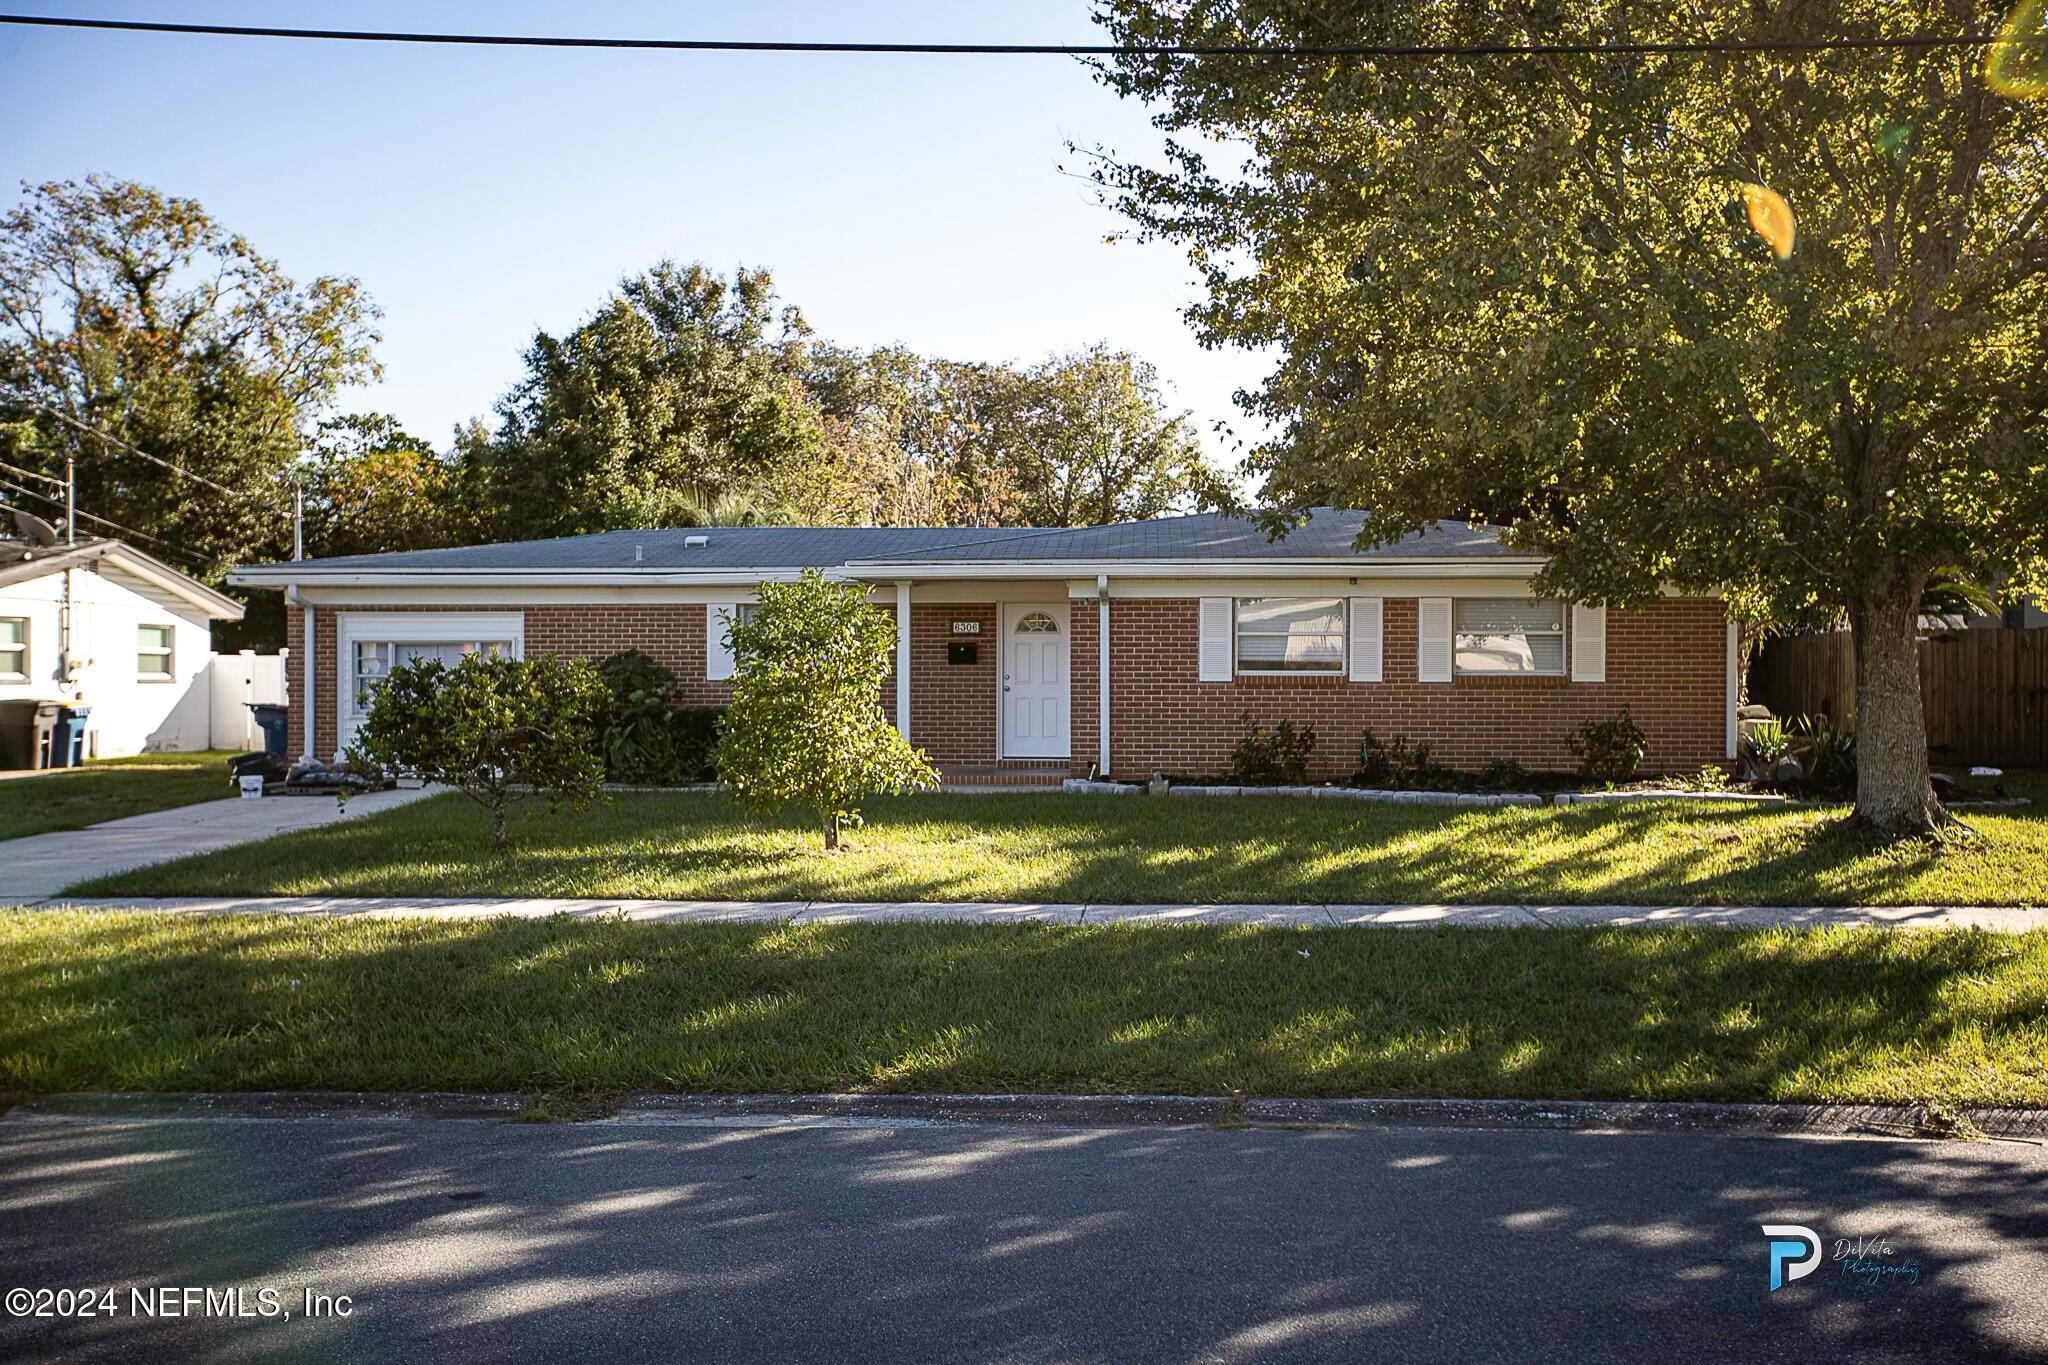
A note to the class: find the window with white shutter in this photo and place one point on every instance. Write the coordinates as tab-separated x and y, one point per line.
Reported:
1510	635
1290	635
1589	644
1433	639
1213	662
1368	627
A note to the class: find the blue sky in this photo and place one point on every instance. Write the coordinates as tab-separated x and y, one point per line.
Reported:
481	193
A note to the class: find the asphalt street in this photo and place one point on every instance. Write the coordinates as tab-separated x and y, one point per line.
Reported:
486	1240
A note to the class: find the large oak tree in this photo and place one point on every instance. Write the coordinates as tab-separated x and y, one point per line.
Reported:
1531	283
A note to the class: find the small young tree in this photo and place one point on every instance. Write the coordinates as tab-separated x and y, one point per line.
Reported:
489	726
806	722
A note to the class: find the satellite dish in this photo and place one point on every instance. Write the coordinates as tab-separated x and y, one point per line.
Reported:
33	528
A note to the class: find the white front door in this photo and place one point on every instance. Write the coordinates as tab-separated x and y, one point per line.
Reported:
1034	697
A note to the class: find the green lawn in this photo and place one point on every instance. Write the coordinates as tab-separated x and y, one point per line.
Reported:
1053	847
107	789
160	1002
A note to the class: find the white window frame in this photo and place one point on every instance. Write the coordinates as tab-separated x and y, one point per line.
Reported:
409	627
1336	669
15	675
168	652
1563	634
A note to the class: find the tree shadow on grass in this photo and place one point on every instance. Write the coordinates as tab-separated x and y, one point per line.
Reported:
179	1002
1059	848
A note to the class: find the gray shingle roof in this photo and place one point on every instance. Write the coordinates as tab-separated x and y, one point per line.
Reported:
1327	535
725	547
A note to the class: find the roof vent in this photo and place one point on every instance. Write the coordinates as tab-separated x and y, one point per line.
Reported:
695	542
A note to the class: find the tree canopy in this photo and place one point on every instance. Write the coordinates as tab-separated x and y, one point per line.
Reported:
130	317
1772	323
683	385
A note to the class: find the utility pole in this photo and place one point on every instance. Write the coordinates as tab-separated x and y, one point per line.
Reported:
298	520
70	498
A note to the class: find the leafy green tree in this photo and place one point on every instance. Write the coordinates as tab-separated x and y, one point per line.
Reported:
806	722
1072	440
371	487
135	314
1773	323
491	727
683	388
1087	438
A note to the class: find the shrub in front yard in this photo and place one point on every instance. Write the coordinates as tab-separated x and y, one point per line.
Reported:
1609	750
1395	763
806	722
488	727
1272	755
648	739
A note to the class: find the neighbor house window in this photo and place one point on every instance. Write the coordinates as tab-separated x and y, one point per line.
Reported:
153	651
13	648
374	660
1290	635
1510	635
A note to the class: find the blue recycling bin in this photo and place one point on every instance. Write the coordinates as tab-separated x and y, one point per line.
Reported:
272	720
67	736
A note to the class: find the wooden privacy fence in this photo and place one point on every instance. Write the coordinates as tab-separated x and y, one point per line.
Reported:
1984	692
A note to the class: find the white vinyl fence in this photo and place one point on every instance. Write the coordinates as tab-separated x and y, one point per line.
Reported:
237	680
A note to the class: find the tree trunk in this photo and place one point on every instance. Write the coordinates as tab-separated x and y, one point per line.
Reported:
498	827
831	834
1893	796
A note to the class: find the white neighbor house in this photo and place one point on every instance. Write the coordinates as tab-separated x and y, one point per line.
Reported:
102	623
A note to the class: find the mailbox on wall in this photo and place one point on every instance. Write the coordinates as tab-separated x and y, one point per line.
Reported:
960	653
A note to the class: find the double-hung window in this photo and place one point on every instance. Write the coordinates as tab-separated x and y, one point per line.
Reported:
374	660
1290	635
13	649
1510	635
153	652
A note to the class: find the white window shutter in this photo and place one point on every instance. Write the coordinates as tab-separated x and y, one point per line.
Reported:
1368	625
1214	656
717	657
1433	639
1589	644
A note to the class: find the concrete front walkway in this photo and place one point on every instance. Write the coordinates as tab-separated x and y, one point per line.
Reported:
2002	918
41	865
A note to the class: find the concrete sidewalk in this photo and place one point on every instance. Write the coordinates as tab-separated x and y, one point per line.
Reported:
41	865
2009	919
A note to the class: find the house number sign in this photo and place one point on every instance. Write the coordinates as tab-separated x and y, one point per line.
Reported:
967	627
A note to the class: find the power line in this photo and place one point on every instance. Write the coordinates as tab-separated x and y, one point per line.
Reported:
186	555
1904	42
175	468
21	473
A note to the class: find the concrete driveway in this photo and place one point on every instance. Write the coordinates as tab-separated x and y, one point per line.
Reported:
41	865
459	1240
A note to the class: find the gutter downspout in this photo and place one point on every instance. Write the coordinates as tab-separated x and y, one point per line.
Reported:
1102	676
306	709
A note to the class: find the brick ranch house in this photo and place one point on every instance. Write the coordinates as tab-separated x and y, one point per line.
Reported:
1005	636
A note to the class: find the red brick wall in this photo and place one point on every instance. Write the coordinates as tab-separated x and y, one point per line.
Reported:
673	634
952	706
1667	662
